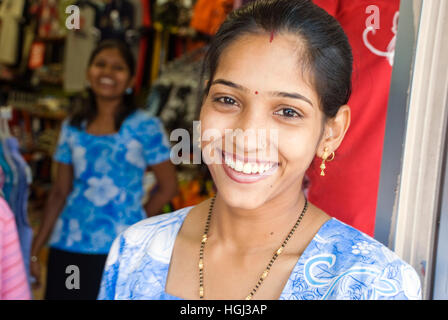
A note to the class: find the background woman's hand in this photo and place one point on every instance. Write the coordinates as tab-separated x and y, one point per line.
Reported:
35	270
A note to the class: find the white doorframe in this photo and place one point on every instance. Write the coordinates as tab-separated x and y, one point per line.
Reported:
420	184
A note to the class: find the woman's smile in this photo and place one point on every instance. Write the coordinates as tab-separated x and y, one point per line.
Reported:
247	170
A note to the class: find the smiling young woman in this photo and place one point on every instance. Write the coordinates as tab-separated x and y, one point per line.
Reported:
281	66
103	152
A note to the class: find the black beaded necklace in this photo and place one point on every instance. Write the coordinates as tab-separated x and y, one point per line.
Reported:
271	262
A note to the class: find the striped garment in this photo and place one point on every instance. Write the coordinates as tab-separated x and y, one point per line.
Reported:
13	280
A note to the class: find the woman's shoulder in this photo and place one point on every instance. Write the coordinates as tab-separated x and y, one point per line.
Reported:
166	224
361	265
140	118
155	236
348	241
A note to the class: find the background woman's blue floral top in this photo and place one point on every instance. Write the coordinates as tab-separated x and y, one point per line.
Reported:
108	181
339	263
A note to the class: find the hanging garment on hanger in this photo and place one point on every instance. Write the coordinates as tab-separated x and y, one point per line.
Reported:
117	17
10	174
2	179
13	280
15	175
157	47
78	47
132	36
208	15
11	14
173	96
21	199
143	47
48	19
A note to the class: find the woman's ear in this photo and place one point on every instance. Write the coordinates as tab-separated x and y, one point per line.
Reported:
335	130
131	82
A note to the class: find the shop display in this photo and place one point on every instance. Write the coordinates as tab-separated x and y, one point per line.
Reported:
16	180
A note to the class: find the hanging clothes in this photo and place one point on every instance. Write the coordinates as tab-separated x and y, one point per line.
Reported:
208	15
144	43
17	180
78	47
13	280
2	182
11	15
173	96
116	19
20	200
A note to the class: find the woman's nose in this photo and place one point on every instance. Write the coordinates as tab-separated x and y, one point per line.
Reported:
251	130
107	70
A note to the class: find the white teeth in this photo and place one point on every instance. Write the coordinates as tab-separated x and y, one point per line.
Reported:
247	168
107	81
254	168
239	166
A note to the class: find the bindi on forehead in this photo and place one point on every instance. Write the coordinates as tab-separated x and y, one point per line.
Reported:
272	37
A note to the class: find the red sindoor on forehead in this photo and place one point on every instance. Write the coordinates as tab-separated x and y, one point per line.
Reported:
272	36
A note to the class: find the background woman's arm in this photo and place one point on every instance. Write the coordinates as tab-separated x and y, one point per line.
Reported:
166	178
55	203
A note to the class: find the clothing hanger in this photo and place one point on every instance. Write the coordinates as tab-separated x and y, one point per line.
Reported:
5	116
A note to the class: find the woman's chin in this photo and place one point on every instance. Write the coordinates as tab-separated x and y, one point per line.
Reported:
249	200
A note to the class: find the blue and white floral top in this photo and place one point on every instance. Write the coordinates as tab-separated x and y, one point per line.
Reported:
108	181
339	263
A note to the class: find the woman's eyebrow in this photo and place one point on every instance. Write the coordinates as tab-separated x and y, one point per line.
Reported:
291	95
230	84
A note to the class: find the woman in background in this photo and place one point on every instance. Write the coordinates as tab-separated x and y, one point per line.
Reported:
103	152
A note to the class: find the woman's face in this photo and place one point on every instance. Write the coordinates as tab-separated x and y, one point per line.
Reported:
109	75
258	85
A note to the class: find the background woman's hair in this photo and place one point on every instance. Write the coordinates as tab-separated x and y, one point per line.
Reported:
85	108
326	58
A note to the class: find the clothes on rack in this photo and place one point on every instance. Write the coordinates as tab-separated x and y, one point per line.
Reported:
16	187
208	15
11	15
145	22
116	18
79	45
20	202
13	279
173	96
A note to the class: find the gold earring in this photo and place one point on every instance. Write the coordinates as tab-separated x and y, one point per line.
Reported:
325	157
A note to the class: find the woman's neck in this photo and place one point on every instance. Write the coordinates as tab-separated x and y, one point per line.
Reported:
104	121
107	108
250	230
